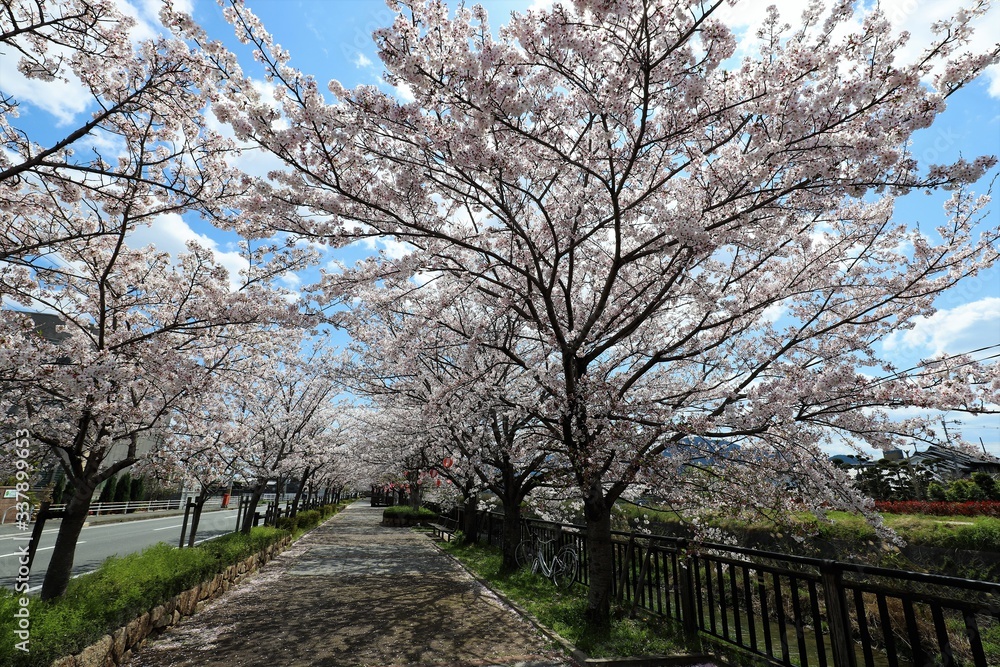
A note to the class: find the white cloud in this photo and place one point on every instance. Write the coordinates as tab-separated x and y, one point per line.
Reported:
170	233
393	249
539	5
404	92
143	28
290	280
961	329
362	61
67	99
773	313
993	76
62	99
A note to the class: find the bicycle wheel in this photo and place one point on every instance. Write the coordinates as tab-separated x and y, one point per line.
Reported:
565	566
525	554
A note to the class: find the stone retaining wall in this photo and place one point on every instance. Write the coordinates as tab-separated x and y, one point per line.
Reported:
116	648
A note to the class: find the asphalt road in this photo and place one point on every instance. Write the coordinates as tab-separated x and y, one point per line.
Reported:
101	540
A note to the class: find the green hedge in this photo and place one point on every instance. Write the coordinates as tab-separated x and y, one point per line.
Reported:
308	519
122	589
405	511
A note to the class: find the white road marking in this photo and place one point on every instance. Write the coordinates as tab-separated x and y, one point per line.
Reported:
36	551
27	535
42	549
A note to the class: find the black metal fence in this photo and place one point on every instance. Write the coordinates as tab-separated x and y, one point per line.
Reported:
792	610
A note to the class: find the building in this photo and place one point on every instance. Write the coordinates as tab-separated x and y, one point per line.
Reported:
953	463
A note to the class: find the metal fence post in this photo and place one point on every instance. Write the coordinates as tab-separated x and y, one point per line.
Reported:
626	565
36	533
184	524
836	614
689	613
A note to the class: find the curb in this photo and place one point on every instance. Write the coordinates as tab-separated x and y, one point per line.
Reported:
578	656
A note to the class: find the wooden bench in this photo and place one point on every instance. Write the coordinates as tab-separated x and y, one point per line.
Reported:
445	527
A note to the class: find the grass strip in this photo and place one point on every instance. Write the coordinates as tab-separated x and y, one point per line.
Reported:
563	611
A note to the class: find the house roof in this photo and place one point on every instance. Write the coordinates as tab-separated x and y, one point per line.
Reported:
953	457
851	460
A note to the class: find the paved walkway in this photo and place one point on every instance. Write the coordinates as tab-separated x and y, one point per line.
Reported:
354	593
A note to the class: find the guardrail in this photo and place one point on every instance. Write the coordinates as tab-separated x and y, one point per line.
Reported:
128	507
12	508
796	611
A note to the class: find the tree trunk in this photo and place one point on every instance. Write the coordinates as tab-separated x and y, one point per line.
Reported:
298	492
60	568
258	491
471	518
511	535
600	567
414	496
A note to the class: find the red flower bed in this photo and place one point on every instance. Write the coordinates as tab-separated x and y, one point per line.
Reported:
940	507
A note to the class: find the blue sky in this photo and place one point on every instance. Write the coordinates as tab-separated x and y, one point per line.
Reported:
331	39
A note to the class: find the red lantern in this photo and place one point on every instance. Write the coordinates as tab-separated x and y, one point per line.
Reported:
447	462
433	472
437	482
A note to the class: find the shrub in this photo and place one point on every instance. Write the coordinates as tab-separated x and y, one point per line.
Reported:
123	489
108	491
58	491
964	489
941	508
308	519
936	491
289	523
988	484
137	489
406	512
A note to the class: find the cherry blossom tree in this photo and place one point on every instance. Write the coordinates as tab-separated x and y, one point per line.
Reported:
280	407
202	445
138	337
704	245
139	332
323	470
143	134
447	360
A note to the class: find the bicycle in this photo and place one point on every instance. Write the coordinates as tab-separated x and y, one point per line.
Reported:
561	569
